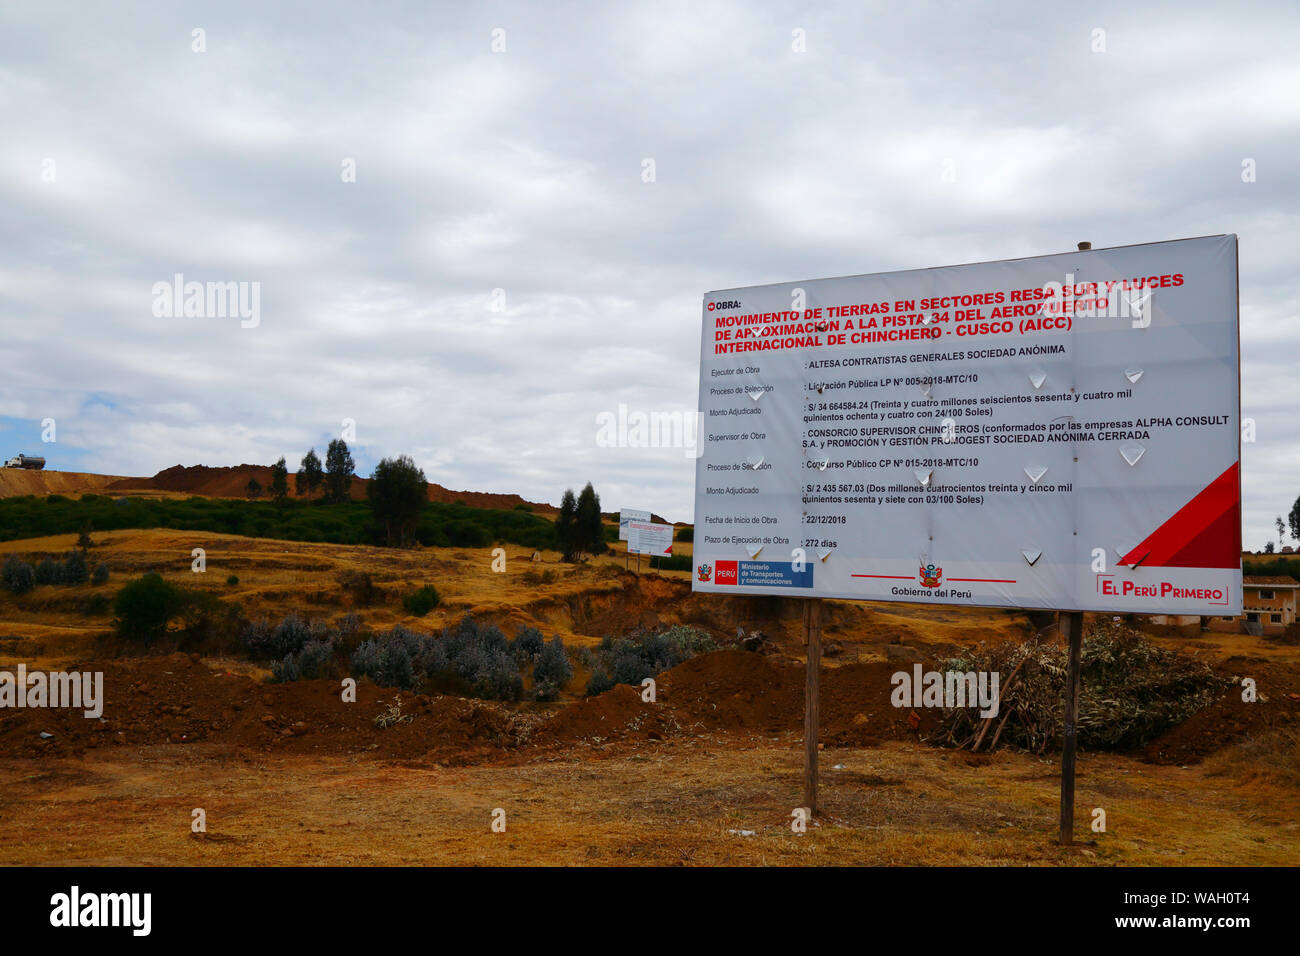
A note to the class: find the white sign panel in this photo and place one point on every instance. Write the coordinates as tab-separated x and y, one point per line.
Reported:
629	514
1056	432
645	537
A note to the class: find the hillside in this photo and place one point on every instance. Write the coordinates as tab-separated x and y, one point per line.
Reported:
219	482
20	481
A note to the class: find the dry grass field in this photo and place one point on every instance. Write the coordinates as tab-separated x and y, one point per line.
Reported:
710	801
700	793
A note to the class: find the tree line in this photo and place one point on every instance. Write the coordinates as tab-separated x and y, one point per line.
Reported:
398	491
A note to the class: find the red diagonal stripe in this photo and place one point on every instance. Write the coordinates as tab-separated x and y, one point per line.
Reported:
1204	533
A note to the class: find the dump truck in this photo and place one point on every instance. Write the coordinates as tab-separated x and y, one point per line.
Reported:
25	461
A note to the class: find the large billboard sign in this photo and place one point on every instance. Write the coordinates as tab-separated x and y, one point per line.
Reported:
649	537
1055	432
628	515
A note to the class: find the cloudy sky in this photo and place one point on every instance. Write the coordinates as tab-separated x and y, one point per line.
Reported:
543	192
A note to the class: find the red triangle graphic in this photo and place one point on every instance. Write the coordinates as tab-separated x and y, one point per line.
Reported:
1204	533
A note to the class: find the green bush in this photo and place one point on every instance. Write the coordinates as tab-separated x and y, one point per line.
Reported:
632	659
386	658
470	658
145	606
552	671
360	587
18	576
27	516
290	636
315	660
99	575
421	602
232	580
48	571
528	643
467	534
74	569
1281	566
685	534
599	683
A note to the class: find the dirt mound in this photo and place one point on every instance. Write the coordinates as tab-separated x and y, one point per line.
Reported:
1230	720
179	700
214	482
739	691
232	482
22	481
604	715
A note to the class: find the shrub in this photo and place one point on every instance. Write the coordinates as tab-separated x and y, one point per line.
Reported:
528	644
552	671
314	661
599	683
100	575
74	569
491	674
360	587
467	534
349	626
473	658
18	576
685	534
144	607
480	656
348	633
386	658
421	602
539	577
692	640
632	659
257	638
287	637
48	571
232	580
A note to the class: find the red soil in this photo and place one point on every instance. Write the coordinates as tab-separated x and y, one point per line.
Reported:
179	700
1230	719
738	691
232	482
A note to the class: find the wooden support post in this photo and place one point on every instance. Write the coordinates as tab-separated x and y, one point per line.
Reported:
1071	625
812	632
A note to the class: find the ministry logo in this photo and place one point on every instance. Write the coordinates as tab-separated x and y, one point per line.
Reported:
705	572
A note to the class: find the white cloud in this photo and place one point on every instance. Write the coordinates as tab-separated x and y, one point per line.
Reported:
521	171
